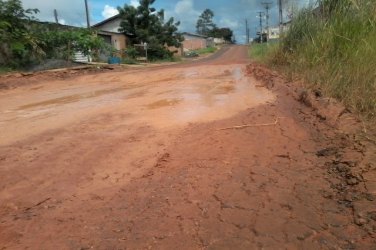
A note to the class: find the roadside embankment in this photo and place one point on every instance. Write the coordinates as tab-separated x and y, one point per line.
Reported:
332	49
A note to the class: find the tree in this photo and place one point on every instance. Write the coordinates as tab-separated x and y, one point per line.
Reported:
62	43
146	25
225	33
18	45
24	40
205	24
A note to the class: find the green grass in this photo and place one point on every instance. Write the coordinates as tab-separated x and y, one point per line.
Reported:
206	50
129	61
262	52
5	70
167	60
335	52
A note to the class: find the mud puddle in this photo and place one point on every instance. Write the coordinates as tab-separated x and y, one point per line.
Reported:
202	96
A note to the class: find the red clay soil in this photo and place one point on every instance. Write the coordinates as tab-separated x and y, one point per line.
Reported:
207	155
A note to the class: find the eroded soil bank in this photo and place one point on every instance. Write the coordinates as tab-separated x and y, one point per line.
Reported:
206	155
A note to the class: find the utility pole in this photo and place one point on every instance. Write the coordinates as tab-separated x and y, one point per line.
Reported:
87	14
247	31
280	18
267	7
56	16
260	16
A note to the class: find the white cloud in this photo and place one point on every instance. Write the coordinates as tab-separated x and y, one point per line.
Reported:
135	3
62	21
229	23
109	11
184	7
185	12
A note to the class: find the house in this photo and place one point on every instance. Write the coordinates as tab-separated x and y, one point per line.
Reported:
109	31
195	41
274	32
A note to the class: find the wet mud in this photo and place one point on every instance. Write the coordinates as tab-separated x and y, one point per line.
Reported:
208	155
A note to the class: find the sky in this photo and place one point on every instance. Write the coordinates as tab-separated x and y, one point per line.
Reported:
228	13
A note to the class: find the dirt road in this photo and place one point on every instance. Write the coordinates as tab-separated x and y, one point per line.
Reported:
152	159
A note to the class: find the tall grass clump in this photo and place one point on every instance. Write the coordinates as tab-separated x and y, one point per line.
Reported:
262	52
334	48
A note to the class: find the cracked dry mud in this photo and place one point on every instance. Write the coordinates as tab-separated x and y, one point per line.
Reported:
138	159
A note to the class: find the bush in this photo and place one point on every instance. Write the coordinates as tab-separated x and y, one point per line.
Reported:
18	45
262	51
61	44
131	53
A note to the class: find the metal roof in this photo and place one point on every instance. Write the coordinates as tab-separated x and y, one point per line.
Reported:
192	34
106	21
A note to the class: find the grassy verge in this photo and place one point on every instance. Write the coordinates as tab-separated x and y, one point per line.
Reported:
262	52
168	60
335	51
129	61
206	50
5	70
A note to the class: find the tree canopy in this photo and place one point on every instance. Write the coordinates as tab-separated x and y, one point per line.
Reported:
16	40
225	33
24	40
145	24
206	26
205	23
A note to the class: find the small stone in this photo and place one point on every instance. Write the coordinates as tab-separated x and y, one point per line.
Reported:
360	221
370	197
342	168
327	195
326	152
352	181
372	215
349	197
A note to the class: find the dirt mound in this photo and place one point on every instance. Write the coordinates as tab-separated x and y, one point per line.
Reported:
349	158
15	80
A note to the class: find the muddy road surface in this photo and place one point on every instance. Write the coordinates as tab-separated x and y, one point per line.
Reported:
191	156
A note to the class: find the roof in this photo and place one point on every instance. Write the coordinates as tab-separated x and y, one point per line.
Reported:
104	32
106	21
192	34
56	24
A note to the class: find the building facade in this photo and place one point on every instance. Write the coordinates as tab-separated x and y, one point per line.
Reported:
194	41
109	31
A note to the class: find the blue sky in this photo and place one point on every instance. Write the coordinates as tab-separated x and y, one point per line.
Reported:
228	13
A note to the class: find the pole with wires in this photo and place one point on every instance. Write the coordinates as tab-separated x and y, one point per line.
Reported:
280	17
87	14
261	32
247	31
267	8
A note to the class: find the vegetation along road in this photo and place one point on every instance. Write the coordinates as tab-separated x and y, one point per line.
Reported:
214	154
